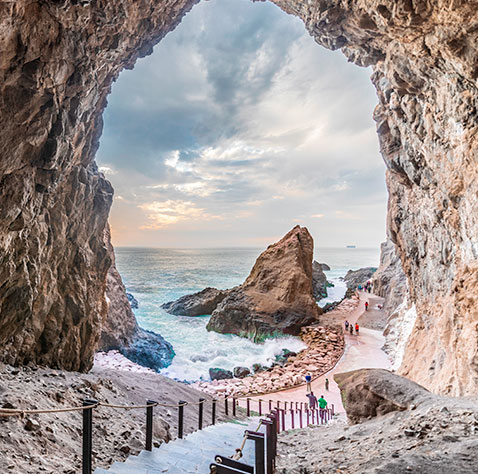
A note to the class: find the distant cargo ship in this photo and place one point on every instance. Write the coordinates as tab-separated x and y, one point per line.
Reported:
351	246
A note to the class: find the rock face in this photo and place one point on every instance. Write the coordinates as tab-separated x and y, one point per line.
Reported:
389	281
197	304
120	330
319	281
220	374
353	278
58	62
276	297
367	393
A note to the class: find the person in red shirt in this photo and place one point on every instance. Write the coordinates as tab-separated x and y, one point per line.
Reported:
366	306
356	328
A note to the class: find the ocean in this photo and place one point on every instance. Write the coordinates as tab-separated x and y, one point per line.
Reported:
155	276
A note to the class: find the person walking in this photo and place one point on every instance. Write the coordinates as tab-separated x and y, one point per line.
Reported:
366	306
322	407
326	384
346	326
308	380
312	400
351	327
356	328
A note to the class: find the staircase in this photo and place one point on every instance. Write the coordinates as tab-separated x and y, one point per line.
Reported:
193	454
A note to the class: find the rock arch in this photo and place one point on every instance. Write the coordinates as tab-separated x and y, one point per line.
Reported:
59	59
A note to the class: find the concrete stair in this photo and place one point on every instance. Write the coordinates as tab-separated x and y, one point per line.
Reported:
193	454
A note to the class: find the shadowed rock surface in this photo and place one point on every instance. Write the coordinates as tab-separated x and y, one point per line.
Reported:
276	297
132	301
367	393
197	304
353	278
389	281
319	281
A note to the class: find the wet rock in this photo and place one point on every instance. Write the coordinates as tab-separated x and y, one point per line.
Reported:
241	372
32	425
198	304
220	374
132	301
319	281
276	297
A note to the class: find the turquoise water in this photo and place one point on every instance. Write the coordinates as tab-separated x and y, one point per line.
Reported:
156	276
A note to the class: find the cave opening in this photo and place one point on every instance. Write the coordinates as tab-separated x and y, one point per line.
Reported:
228	135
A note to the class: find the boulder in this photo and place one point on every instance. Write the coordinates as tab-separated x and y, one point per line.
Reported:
276	297
256	368
324	267
367	393
354	278
220	374
197	304
241	372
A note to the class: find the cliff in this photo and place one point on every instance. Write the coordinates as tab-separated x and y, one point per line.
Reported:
120	330
58	62
276	297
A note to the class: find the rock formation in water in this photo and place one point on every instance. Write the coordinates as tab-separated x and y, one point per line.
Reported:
197	304
120	330
276	297
354	278
319	281
58	62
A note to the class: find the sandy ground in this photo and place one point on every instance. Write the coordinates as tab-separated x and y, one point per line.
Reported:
361	351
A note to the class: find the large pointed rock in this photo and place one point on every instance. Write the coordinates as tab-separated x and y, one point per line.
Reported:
276	297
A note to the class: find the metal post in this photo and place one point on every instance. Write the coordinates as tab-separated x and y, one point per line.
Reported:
308	415
270	406
226	407
201	412
88	435
278	403
258	439
260	407
181	418
283	419
149	424
333	409
313	416
296	405
214	411
234	401
269	445
248	401
285	406
300	418
292	418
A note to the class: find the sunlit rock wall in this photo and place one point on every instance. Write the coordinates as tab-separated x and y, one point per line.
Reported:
57	64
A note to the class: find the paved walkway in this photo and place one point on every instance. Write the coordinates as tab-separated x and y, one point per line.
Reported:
363	351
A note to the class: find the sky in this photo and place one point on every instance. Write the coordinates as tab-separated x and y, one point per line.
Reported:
238	127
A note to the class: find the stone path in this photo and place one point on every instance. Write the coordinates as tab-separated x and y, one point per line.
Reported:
361	351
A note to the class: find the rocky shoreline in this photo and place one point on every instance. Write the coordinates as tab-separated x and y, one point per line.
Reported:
325	346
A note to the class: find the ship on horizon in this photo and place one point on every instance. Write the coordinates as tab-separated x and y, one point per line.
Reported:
351	247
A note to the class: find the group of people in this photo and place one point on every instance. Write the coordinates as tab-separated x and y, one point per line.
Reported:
367	287
350	327
313	402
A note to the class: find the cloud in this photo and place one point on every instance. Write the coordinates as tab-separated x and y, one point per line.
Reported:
163	214
238	125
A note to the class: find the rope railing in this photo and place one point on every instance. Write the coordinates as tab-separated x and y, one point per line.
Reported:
274	410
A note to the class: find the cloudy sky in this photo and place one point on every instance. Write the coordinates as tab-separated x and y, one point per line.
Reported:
238	127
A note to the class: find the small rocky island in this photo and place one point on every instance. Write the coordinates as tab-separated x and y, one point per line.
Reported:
277	298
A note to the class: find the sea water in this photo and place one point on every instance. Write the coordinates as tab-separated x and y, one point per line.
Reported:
155	276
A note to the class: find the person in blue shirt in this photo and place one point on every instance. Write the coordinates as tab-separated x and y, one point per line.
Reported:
308	380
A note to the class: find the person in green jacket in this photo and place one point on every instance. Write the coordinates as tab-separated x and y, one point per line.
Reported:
322	406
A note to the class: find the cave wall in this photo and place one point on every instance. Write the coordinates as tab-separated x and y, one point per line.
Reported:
58	61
